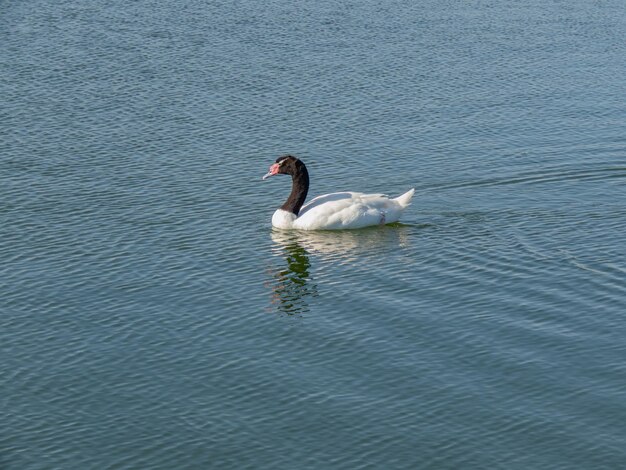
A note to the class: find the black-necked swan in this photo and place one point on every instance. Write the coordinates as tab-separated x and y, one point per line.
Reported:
335	211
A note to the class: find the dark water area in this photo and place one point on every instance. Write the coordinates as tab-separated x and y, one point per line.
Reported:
150	317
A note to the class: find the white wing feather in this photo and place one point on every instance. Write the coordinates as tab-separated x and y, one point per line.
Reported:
348	210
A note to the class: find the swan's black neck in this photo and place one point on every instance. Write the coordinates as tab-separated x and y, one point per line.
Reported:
299	189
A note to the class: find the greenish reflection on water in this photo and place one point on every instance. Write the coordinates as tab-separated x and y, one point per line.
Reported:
291	284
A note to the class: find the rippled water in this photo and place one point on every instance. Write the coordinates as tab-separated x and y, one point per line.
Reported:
151	317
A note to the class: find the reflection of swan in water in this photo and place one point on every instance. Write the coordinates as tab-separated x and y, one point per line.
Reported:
345	244
292	285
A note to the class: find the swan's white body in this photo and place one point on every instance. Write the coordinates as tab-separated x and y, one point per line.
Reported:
346	210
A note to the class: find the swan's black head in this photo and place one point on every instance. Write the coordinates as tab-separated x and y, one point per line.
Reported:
286	165
290	165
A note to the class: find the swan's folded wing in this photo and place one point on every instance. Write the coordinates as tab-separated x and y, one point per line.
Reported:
326	199
340	198
346	210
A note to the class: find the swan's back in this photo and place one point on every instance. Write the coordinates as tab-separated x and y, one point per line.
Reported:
349	210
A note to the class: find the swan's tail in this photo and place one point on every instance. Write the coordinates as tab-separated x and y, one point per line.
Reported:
405	199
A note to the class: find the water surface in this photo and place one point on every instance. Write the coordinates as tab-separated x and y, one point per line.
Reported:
150	316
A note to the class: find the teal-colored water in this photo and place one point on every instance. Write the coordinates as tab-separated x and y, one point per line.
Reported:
150	318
